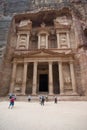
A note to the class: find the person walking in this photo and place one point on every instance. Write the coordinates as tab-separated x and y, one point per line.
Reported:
11	105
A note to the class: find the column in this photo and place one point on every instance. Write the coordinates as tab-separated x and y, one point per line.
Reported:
34	79
73	77
46	41
50	79
38	41
13	77
68	40
18	40
58	42
61	78
24	78
27	44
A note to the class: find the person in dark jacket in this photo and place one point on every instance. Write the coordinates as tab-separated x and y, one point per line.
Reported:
42	100
55	99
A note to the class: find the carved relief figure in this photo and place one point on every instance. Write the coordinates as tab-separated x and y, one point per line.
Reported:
43	40
25	23
62	20
19	78
67	77
22	41
63	40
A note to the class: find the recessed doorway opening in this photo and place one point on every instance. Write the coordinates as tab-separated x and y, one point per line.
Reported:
43	83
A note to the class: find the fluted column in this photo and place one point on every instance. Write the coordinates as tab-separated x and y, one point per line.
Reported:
73	77
34	79
58	42
50	79
46	41
24	78
13	77
61	78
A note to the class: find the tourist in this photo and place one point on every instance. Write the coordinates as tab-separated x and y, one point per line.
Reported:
11	105
55	99
10	95
29	98
46	98
42	100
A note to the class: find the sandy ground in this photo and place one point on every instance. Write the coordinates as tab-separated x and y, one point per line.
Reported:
33	116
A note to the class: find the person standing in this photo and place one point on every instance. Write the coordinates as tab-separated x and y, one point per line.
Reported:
29	98
55	100
42	100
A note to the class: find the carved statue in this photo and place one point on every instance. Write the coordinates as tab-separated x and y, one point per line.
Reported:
67	79
43	25
62	20
25	23
63	40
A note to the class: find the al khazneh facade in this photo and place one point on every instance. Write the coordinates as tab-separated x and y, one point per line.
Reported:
46	50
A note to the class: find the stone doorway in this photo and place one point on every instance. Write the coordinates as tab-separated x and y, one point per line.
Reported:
43	83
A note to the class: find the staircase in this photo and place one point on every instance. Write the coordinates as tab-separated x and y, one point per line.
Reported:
50	98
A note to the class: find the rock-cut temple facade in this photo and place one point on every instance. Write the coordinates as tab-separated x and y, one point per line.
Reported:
43	47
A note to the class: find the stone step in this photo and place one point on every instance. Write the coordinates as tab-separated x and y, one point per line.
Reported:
50	98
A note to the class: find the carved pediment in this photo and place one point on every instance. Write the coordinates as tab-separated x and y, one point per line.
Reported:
44	53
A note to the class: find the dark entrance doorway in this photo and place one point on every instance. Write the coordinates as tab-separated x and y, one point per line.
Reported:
43	83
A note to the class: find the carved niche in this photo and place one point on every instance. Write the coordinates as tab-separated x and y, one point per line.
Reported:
19	78
22	41
43	40
67	77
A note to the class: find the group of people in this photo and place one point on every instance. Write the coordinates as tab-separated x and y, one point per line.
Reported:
42	99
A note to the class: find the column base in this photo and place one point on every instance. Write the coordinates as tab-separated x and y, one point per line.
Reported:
34	94
50	94
23	94
62	94
74	94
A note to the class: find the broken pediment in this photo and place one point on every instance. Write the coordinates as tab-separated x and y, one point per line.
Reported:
62	21
25	24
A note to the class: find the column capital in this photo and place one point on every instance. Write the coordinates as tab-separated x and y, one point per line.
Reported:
60	62
57	31
50	62
71	62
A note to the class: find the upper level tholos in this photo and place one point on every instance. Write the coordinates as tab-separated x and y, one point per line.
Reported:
45	30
